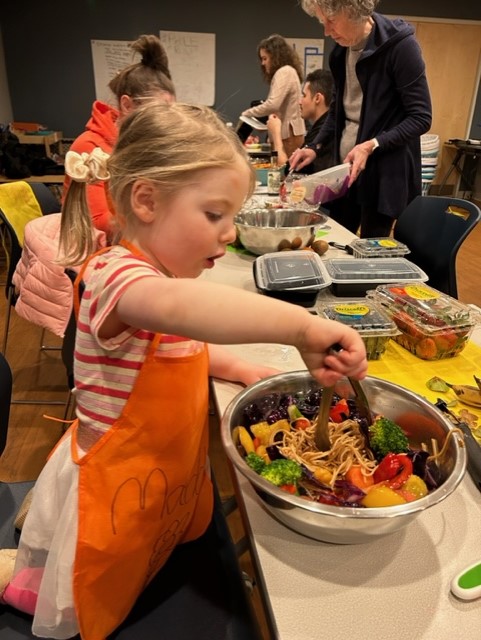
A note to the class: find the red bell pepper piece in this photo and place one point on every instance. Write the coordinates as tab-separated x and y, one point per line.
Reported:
393	470
289	488
340	411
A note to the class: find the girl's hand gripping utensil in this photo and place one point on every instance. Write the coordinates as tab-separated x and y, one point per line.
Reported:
361	400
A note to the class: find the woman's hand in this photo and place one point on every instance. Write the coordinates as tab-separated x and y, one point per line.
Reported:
274	125
357	158
301	157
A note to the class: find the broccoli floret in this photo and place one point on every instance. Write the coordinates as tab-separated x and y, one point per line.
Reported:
282	471
255	462
385	436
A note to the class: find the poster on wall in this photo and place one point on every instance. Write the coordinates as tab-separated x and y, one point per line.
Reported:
192	65
109	57
191	62
311	52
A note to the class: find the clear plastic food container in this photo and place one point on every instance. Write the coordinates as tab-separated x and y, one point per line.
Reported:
432	324
296	276
320	187
372	322
356	276
378	248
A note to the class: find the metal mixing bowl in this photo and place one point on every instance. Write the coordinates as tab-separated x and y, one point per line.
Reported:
349	525
262	230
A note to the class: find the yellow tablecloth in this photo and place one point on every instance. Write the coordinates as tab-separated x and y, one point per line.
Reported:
401	367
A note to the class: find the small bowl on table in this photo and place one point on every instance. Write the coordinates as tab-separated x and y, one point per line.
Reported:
265	230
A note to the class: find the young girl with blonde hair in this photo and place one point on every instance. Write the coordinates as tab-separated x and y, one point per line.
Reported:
130	481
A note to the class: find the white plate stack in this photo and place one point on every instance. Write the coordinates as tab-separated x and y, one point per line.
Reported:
429	159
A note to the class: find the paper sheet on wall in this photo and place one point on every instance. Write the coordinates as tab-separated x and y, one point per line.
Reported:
109	57
192	64
310	51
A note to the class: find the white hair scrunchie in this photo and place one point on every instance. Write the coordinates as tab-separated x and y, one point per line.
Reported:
87	167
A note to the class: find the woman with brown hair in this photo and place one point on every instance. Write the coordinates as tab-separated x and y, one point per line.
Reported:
282	68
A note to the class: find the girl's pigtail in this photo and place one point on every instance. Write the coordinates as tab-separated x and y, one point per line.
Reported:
76	228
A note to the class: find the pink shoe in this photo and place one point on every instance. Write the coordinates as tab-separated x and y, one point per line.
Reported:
7	565
22	591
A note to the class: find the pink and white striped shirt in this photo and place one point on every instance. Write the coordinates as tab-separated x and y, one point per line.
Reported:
105	370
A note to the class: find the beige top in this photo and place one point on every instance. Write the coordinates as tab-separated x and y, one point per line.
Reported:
283	100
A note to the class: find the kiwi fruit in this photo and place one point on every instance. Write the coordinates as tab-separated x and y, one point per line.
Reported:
320	247
296	243
284	244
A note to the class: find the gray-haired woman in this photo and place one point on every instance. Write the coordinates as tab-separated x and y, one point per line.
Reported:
380	109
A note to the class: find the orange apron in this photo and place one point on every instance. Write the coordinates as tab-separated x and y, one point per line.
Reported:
143	489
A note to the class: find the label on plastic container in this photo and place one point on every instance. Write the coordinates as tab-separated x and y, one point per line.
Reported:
385	242
354	310
273	182
418	292
297	194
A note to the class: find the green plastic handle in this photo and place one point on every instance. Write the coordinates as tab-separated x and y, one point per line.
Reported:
467	584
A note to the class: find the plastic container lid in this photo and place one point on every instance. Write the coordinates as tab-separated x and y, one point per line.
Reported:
428	308
290	270
378	248
365	316
380	270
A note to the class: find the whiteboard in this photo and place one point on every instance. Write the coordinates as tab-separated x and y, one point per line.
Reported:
109	57
192	65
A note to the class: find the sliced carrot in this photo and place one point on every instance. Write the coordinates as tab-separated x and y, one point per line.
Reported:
356	477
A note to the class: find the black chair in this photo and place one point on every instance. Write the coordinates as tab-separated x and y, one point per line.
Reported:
6	383
200	593
11	493
68	347
434	228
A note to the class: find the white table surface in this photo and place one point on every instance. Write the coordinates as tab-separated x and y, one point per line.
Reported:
394	588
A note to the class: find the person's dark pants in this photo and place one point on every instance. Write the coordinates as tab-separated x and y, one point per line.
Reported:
353	215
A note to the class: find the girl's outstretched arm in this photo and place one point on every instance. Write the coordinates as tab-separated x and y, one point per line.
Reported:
225	315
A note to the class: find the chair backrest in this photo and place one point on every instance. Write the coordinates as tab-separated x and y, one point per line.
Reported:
21	202
5	399
68	344
434	228
47	200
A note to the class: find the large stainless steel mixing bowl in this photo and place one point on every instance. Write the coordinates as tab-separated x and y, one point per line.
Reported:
347	525
262	230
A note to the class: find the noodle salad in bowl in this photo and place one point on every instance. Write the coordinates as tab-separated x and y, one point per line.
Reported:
375	477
